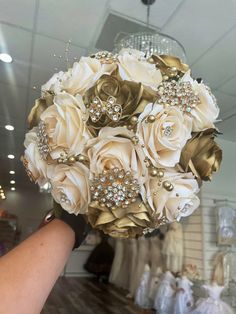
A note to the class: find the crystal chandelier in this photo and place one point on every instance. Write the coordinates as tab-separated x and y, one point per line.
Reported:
151	42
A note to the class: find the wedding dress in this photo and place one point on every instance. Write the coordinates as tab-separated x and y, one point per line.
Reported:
173	248
164	300
117	262
141	297
213	304
133	248
153	284
184	296
142	259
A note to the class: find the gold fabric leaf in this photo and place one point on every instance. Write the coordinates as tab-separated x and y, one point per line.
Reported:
41	104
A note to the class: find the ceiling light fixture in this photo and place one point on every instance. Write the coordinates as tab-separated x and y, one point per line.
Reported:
150	42
9	127
12	172
13	189
5	57
10	156
12	182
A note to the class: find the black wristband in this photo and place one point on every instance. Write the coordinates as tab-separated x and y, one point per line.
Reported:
77	223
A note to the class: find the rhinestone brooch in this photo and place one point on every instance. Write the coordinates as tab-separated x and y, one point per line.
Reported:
114	188
111	108
179	94
42	140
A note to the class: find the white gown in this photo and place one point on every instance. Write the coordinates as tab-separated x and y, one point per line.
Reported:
173	248
184	296
141	297
154	284
142	260
133	247
164	300
213	304
117	262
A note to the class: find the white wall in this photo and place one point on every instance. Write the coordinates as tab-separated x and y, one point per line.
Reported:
29	206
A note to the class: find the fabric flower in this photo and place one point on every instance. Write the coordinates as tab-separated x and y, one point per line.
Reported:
165	135
202	155
66	125
40	106
113	148
169	65
122	222
133	67
35	166
70	187
53	85
206	112
172	204
130	96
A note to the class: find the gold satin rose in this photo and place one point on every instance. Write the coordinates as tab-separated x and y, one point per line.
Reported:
41	104
35	166
201	155
70	187
66	125
120	222
131	96
169	65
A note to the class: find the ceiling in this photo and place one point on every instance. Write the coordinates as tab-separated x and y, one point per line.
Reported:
32	31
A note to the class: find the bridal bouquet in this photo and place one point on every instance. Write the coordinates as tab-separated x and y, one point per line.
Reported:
124	140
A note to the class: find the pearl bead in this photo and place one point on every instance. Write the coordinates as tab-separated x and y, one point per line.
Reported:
153	172
71	159
160	173
168	186
165	77
81	158
151	118
133	120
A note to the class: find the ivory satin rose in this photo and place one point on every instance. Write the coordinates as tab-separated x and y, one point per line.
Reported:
113	148
66	125
70	187
35	165
79	78
205	113
133	67
180	202
164	138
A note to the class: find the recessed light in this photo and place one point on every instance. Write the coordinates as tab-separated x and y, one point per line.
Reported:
5	57
12	182
4	197
2	194
9	127
13	189
10	156
1	191
12	172
0	186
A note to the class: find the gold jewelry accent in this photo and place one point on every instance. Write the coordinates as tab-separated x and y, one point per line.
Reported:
111	108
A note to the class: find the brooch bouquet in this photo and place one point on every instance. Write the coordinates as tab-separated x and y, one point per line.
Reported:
124	140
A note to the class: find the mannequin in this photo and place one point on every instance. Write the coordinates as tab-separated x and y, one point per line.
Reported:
153	284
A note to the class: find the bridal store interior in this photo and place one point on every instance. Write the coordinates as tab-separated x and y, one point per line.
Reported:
194	257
